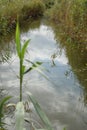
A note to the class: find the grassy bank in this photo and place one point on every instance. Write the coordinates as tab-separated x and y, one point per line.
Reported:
25	9
71	15
48	3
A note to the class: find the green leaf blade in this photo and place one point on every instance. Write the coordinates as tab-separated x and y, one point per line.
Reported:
18	44
24	49
34	66
3	101
40	112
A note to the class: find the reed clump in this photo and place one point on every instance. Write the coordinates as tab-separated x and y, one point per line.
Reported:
48	3
72	15
34	9
25	9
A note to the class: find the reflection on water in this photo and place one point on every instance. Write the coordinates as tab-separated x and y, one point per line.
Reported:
77	58
62	97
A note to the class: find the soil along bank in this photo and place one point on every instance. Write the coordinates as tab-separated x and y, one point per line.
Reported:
9	10
72	17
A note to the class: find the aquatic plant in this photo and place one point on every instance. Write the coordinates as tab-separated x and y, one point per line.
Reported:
21	50
2	104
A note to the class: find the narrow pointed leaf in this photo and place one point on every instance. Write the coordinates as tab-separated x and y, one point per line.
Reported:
38	63
40	112
3	101
41	72
24	49
28	70
37	69
34	66
18	44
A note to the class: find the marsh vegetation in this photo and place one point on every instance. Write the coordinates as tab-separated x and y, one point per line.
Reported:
58	33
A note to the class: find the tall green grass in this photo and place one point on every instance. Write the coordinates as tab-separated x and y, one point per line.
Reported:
25	9
72	15
48	3
21	50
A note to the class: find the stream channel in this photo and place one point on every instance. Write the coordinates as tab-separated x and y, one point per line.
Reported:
64	96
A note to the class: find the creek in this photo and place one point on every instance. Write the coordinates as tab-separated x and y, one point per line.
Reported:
64	96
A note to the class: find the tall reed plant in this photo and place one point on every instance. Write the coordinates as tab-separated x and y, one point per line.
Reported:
71	16
21	50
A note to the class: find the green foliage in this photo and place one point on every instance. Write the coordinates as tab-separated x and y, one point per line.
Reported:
48	3
25	9
72	15
34	66
21	50
2	104
18	44
3	25
24	49
40	112
34	9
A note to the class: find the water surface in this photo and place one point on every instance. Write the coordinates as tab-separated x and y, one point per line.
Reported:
63	96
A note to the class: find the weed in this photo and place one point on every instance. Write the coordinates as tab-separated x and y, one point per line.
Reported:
25	9
21	50
72	16
2	104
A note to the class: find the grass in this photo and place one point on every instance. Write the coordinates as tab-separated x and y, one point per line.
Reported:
25	9
48	3
21	50
2	105
72	17
20	108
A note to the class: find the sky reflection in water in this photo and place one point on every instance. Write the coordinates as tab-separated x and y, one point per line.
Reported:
62	96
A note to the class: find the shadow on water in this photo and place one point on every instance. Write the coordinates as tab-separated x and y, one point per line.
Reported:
64	95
